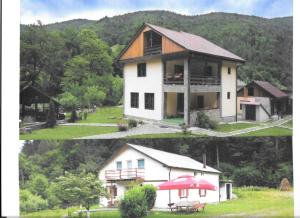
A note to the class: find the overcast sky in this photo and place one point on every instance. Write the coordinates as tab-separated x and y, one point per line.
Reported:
50	11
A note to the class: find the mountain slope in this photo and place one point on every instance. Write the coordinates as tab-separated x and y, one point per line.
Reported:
266	44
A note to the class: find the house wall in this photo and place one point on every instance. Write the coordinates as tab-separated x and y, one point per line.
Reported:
228	82
152	83
210	100
261	114
155	174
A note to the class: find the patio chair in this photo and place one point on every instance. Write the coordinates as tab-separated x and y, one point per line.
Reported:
172	206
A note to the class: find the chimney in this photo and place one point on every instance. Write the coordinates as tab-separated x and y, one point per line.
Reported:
204	160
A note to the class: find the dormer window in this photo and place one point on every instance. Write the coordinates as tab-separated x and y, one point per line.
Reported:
152	43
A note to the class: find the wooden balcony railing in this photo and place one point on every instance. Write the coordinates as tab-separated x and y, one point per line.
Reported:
152	50
132	173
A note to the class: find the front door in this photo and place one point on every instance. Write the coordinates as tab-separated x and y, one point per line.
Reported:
250	112
180	102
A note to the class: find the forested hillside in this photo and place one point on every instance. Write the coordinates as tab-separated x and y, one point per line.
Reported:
50	53
266	44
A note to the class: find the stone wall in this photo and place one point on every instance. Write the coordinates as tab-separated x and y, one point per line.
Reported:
213	114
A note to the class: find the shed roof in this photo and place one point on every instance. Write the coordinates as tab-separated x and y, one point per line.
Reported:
268	87
173	160
195	43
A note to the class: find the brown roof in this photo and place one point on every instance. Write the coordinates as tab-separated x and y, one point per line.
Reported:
195	43
268	87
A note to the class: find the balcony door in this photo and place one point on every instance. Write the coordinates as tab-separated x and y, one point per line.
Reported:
180	102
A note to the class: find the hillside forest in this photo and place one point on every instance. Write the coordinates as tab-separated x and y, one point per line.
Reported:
247	161
73	60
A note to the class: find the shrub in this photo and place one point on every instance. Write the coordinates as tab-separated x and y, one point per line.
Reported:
31	203
132	123
51	117
150	195
122	127
203	121
134	204
184	128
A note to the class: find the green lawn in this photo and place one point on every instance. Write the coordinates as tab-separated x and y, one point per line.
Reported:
67	132
235	126
105	115
273	131
250	202
164	135
289	124
175	120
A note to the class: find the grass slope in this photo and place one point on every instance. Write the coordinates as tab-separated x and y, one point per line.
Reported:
251	202
273	131
105	115
235	126
67	132
164	135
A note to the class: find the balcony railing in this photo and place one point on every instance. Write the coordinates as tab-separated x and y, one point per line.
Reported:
152	50
123	174
193	81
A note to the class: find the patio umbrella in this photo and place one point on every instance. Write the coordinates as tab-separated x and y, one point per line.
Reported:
187	182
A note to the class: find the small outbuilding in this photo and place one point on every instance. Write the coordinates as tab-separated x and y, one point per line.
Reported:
34	104
260	100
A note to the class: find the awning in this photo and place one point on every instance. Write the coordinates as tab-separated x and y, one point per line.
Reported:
249	103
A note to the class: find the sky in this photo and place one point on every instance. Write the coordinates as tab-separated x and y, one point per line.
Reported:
51	11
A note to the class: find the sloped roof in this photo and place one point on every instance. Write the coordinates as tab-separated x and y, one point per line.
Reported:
173	160
195	43
268	87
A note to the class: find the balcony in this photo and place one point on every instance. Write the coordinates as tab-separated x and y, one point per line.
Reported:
178	80
124	174
153	50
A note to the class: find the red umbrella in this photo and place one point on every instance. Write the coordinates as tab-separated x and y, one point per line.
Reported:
187	182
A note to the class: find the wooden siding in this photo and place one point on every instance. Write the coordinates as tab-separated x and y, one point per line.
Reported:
170	47
136	49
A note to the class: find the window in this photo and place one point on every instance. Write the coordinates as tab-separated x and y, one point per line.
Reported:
129	164
251	91
141	164
141	69
202	192
208	71
119	165
183	193
134	99
228	95
149	101
241	106
229	70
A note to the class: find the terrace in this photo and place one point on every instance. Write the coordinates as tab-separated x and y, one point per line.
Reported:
124	174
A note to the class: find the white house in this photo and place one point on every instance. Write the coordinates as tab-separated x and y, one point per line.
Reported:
169	73
135	164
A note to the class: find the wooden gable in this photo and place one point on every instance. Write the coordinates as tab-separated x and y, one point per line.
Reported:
136	48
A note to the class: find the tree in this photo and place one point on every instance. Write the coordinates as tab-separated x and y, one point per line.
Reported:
30	202
94	96
38	185
51	117
83	189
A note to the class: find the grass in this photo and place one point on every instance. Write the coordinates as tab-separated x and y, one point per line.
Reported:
262	202
235	126
67	132
289	124
105	115
164	135
272	131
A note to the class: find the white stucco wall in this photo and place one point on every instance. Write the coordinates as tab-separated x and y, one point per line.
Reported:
155	174
223	192
152	83
228	83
